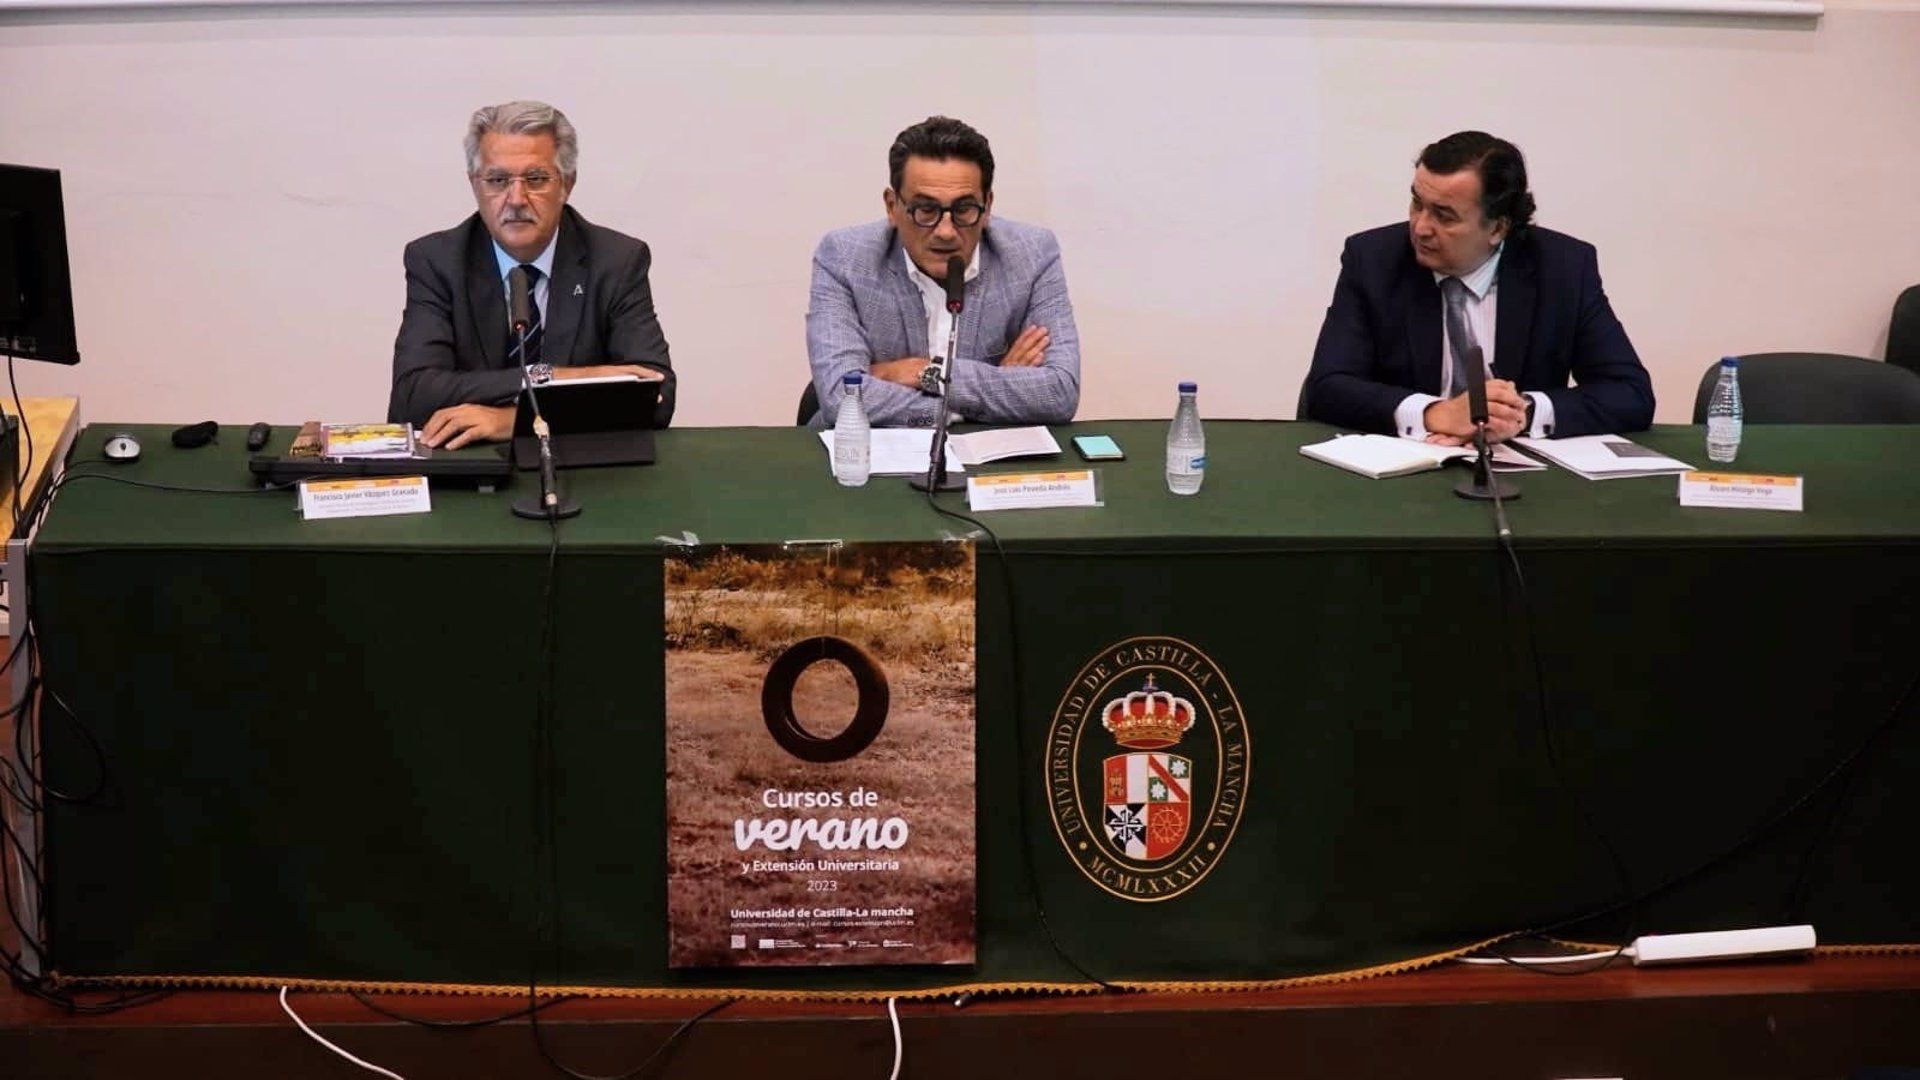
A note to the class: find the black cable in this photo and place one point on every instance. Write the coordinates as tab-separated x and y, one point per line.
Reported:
29	867
1760	831
420	1021
20	474
20	711
670	1041
1020	746
1795	908
48	791
1543	712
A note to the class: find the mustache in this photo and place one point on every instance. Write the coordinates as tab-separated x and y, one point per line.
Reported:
516	219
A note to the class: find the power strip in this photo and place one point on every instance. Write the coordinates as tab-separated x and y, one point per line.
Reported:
1762	941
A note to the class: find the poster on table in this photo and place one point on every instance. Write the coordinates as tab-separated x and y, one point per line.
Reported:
820	754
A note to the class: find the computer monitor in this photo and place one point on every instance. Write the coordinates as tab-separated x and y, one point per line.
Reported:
36	290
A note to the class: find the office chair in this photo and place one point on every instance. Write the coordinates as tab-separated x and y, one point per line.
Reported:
1817	388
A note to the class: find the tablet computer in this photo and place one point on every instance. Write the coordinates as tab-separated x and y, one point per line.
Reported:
597	421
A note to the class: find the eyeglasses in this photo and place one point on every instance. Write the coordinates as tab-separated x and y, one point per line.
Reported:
536	183
927	215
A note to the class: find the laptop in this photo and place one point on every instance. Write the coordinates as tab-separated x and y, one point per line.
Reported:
599	421
479	467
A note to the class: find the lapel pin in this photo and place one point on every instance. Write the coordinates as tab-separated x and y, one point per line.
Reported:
579	290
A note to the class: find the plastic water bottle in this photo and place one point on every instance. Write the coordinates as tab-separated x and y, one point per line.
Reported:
1723	413
1186	445
852	437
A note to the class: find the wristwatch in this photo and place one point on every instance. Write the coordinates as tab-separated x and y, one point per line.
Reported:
931	381
539	374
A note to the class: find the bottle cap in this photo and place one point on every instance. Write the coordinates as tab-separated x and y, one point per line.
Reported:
1729	361
1189	388
851	378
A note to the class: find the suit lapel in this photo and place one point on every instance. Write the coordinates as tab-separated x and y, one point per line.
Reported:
1513	326
907	300
566	293
1423	331
977	302
486	296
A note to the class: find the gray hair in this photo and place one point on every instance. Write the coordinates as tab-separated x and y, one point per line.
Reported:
524	118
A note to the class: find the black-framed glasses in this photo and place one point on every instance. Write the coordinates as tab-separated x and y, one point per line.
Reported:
536	183
966	213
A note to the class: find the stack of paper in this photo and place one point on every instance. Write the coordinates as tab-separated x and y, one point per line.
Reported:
898	452
1604	457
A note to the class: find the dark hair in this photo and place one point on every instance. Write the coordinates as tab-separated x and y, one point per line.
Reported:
941	138
1503	174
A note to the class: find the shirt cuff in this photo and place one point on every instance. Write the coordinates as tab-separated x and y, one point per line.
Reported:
1542	416
1409	417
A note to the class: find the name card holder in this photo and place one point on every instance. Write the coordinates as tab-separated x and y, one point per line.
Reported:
1737	491
1034	490
373	496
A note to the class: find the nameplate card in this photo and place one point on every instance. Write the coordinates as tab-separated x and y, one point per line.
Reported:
371	496
1741	492
1033	491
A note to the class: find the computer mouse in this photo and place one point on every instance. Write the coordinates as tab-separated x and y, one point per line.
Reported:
122	447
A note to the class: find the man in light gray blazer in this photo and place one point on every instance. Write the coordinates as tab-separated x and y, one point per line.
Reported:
877	304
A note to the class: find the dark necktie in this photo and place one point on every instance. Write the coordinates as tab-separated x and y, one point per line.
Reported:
534	326
1459	334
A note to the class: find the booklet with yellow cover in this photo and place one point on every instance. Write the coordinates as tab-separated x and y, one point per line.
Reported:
368	441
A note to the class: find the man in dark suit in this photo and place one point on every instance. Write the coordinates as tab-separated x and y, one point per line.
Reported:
457	364
1471	271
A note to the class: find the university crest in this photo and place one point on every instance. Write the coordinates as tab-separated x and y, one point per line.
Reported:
1148	823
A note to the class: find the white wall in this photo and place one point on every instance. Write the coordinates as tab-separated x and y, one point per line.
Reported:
239	184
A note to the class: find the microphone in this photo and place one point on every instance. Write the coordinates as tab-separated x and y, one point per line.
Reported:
519	305
1483	484
520	313
1476	387
956	285
937	478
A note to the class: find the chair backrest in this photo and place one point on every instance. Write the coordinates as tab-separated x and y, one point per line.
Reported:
1817	388
1903	333
809	404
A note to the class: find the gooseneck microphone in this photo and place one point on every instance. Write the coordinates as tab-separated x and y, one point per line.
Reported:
956	285
937	478
1483	484
520	306
549	506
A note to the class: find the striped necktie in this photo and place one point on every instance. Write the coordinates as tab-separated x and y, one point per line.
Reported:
534	327
1460	336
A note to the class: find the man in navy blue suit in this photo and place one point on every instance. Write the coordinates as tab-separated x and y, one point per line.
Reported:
1470	270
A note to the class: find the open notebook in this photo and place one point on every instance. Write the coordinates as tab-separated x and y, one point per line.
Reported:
1381	456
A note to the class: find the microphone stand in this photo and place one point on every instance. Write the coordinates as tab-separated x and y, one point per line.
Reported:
937	478
1484	485
550	505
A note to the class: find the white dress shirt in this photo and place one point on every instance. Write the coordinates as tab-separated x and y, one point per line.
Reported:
1482	311
934	295
543	263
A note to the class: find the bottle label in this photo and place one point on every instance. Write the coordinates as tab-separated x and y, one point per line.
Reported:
1187	460
1722	428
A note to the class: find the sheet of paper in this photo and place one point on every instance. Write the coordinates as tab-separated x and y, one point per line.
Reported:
1507	459
1603	457
898	452
998	444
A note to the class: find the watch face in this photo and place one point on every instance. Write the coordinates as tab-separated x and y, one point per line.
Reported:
930	379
